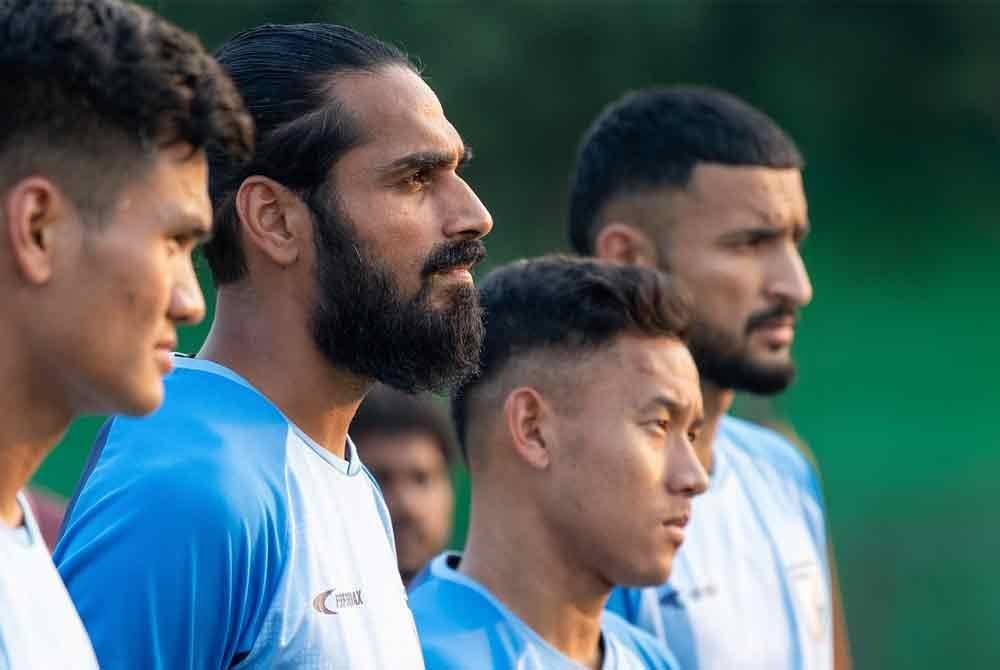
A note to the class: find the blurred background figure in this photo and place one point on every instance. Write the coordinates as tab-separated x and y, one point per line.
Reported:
408	444
49	509
695	182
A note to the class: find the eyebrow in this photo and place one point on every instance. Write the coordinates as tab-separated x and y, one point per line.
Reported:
428	160
664	401
194	225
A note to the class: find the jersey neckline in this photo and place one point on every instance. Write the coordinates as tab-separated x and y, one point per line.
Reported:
349	466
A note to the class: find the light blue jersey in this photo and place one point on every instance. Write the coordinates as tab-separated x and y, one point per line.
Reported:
750	587
215	534
464	627
39	628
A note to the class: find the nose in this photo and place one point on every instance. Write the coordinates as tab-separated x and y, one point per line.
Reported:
470	219
789	281
187	304
687	476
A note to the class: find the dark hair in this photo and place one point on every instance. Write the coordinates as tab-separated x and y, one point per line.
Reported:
91	86
570	305
655	137
386	411
284	73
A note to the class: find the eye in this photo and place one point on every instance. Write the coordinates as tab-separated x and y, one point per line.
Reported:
418	180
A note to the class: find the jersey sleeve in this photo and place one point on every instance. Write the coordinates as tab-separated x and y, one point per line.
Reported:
169	568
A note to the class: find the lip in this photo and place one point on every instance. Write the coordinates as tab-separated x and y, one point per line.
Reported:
463	272
675	527
778	332
164	354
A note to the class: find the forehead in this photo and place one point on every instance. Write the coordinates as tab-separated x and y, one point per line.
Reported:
775	195
398	113
637	367
173	187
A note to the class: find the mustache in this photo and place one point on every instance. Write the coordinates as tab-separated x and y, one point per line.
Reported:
761	319
450	255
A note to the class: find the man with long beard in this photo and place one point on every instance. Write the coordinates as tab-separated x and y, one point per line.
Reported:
700	184
237	525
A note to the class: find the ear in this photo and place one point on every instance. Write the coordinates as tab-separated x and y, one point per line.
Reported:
274	220
528	419
32	211
624	243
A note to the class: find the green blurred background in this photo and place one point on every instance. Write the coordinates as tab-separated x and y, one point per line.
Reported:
897	108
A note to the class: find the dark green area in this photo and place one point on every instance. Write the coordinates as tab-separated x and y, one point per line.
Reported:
897	110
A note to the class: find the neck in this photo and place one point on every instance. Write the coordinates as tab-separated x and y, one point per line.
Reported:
509	553
34	421
273	350
717	402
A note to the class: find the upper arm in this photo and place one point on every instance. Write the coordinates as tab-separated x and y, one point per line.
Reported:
160	570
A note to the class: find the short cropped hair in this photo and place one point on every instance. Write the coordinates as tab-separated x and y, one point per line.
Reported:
386	411
91	87
655	137
563	305
284	73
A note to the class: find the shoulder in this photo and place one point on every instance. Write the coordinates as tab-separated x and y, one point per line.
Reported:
652	652
768	449
211	458
458	627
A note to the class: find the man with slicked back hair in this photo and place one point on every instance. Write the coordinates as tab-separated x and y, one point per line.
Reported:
342	257
582	477
107	111
698	183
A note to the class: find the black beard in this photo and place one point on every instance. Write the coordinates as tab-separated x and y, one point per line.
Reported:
362	322
724	362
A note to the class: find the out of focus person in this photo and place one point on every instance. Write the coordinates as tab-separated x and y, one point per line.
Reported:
579	439
408	444
342	256
103	196
698	183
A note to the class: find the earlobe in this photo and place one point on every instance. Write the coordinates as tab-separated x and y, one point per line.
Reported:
527	414
32	210
268	215
625	243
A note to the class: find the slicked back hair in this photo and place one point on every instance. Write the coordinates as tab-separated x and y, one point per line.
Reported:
90	88
284	73
386	411
655	137
567	305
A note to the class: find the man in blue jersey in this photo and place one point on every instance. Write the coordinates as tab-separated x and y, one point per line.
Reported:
236	526
103	195
582	476
698	183
408	444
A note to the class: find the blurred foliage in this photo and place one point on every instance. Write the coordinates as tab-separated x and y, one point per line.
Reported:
897	108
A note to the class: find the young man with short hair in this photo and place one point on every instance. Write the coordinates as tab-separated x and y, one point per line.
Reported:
698	183
582	476
408	444
103	196
237	525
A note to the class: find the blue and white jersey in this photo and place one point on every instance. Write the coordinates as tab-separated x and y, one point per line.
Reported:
39	628
750	586
464	627
215	534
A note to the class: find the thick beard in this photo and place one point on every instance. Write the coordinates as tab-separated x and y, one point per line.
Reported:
724	361
362	323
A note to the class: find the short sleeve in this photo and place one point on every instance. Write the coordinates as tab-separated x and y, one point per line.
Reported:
169	567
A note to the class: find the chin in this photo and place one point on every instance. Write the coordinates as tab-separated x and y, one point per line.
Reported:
140	400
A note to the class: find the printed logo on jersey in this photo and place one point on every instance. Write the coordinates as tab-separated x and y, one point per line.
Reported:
807	584
337	600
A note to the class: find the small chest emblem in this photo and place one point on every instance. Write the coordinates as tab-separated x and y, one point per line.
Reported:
332	600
